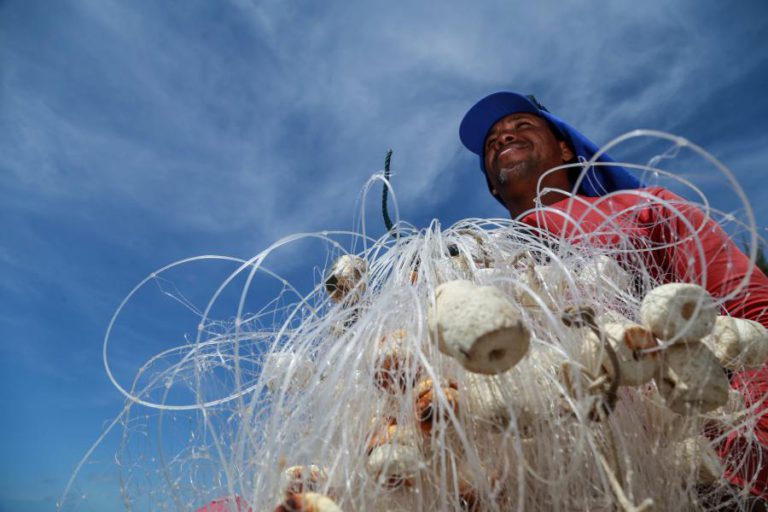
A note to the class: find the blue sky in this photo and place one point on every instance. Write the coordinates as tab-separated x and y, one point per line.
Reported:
133	134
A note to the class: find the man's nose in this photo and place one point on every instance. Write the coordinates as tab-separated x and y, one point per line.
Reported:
505	138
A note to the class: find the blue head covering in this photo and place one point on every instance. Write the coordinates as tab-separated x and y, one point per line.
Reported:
598	181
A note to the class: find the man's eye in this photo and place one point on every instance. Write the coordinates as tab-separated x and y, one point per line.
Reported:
490	143
524	124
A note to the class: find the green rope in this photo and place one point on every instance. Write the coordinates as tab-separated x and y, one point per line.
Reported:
384	211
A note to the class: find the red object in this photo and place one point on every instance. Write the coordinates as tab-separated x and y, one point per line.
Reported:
662	229
236	504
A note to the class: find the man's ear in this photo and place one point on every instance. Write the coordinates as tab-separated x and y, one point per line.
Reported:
565	151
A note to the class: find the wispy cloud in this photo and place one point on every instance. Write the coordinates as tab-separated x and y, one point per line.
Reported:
216	127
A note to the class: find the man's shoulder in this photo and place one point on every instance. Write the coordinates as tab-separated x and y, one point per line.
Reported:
633	196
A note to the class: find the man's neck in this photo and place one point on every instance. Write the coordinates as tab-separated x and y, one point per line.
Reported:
518	207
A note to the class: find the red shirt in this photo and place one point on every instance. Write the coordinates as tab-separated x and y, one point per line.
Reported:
677	242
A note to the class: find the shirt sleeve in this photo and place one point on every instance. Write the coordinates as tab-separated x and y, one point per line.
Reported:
697	250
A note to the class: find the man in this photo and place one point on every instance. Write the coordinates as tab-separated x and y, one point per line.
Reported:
519	144
522	148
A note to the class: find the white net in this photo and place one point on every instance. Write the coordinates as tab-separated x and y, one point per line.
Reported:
550	392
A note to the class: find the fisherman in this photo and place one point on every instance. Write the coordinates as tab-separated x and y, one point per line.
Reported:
541	170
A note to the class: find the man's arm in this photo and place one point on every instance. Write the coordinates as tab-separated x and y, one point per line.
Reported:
722	271
721	268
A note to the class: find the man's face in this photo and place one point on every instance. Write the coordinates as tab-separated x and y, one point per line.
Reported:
519	148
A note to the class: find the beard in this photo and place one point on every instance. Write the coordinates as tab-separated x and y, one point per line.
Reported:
515	171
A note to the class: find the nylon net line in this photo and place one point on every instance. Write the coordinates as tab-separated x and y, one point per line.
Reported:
487	366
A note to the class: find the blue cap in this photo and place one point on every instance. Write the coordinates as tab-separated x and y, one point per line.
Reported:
479	120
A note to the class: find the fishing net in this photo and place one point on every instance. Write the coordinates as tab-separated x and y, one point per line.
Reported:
491	365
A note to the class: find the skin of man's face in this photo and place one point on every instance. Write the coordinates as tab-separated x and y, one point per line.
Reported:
518	149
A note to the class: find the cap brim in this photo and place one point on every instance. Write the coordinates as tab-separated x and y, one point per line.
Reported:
486	112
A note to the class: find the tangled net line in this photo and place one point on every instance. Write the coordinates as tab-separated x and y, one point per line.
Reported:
343	390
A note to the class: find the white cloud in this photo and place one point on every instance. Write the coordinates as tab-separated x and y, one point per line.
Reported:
230	123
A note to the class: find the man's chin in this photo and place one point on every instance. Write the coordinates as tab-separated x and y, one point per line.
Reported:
513	172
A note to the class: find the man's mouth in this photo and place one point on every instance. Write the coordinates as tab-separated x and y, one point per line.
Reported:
510	147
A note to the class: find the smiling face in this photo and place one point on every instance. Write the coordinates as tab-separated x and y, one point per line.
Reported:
519	148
